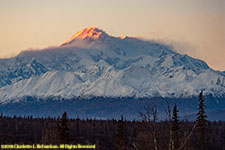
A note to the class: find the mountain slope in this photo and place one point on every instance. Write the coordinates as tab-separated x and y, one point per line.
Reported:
17	68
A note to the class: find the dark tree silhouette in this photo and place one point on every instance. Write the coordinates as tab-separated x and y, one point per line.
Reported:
64	135
120	138
201	128
21	130
175	129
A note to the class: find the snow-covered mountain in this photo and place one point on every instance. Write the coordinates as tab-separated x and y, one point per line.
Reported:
92	63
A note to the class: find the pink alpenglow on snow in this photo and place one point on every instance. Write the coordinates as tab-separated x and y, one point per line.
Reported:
90	32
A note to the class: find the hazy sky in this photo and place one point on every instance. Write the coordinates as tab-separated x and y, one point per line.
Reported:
195	27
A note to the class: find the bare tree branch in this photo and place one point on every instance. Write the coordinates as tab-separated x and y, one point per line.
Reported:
188	137
149	116
168	112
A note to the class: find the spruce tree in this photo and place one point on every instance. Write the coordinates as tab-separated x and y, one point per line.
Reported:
64	136
201	127
175	129
120	138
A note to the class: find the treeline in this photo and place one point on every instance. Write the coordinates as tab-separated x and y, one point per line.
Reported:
147	134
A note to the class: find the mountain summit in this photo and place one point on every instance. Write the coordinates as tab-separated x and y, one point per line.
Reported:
86	33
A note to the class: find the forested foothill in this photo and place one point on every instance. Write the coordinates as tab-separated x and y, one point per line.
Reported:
148	133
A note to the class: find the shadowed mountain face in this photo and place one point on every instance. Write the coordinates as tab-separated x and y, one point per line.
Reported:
93	64
108	108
